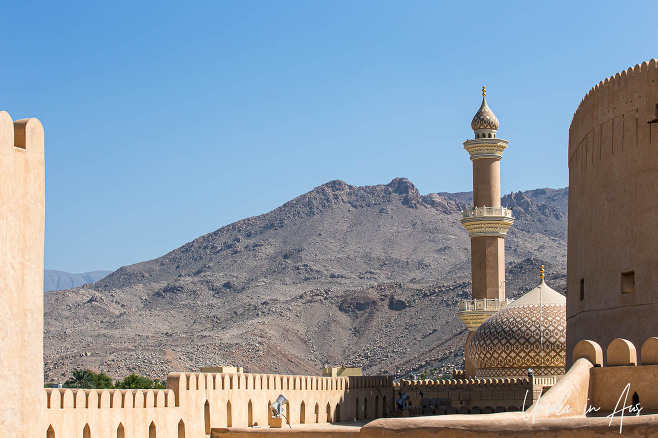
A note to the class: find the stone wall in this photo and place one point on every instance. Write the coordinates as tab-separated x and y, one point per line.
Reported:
21	276
467	396
195	403
613	204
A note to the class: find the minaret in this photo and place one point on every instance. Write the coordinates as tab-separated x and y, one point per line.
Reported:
486	222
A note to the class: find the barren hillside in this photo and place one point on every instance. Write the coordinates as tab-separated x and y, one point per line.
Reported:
365	276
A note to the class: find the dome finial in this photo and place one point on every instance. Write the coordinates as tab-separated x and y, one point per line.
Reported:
541	272
484	91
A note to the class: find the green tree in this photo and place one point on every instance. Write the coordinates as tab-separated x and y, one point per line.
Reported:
101	381
79	379
88	379
135	381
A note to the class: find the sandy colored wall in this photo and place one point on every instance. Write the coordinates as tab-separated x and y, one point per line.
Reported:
504	394
613	204
201	401
106	412
21	276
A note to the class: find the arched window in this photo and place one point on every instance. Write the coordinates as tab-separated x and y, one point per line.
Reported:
152	430
86	432
357	417
376	406
181	429
206	416
328	413
121	433
302	413
229	419
50	433
337	413
250	414
317	413
365	408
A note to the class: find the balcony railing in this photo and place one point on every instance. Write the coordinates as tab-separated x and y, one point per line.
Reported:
485	304
487	211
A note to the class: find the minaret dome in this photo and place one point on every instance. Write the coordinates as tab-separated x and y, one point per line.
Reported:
484	123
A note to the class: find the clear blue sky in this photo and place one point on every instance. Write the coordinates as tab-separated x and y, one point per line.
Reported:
165	121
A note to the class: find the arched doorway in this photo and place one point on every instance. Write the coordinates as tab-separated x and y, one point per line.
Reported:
328	413
181	429
86	432
50	433
229	417
206	416
250	414
302	413
152	430
121	433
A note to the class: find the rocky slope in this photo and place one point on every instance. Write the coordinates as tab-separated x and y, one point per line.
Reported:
366	276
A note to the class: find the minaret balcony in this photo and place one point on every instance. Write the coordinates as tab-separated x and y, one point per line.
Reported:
474	312
485	148
487	221
487	211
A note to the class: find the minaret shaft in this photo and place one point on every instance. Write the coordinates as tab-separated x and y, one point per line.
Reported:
486	182
488	267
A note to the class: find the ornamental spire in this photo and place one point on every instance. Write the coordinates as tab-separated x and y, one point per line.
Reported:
484	118
541	272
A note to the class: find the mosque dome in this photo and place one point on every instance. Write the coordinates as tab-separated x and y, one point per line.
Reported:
528	333
484	118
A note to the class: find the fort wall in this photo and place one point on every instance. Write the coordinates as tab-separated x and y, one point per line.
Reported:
194	403
612	289
467	396
22	200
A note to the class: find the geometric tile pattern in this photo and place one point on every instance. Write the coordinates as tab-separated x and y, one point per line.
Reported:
521	337
484	118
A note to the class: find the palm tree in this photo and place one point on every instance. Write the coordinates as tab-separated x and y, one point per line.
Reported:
79	379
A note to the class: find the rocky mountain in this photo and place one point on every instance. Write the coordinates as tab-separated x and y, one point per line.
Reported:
367	276
60	280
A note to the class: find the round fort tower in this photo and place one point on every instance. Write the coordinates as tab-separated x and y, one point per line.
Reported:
613	205
487	223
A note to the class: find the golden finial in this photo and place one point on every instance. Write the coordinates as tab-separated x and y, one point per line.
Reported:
541	272
484	91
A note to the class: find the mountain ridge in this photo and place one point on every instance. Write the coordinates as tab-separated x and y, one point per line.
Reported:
340	274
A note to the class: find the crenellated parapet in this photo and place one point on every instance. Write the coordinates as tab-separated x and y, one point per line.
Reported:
620	373
467	396
621	95
195	403
67	398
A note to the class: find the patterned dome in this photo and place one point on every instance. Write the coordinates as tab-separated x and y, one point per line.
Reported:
528	333
484	118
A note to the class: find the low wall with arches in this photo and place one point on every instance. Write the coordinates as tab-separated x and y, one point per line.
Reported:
623	379
466	396
597	384
194	403
112	413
